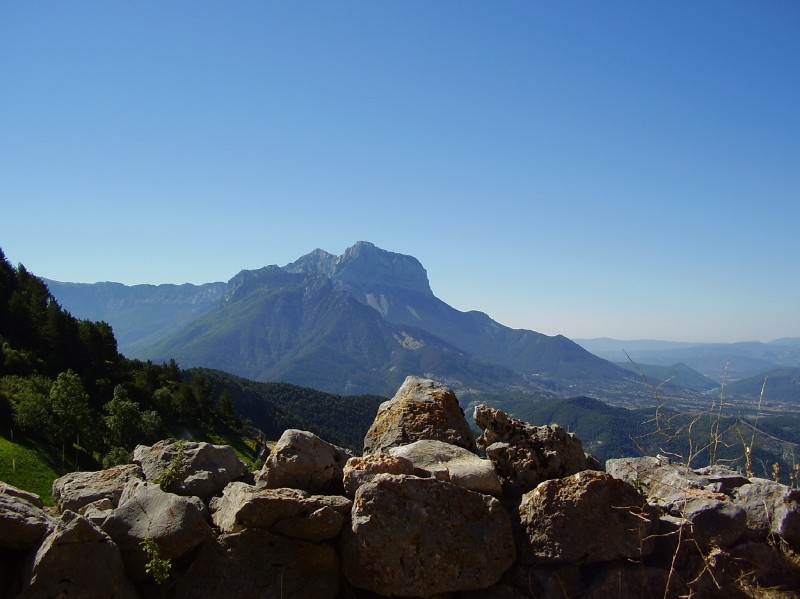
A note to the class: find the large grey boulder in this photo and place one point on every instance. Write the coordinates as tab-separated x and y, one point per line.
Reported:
177	524
301	460
721	505
660	480
584	518
772	508
32	498
288	512
524	455
75	490
451	463
255	563
22	524
416	537
360	470
421	409
715	519
189	468
78	560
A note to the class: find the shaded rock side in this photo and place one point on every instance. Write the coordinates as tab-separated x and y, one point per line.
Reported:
301	460
524	455
77	560
177	524
421	409
22	524
587	517
255	563
416	537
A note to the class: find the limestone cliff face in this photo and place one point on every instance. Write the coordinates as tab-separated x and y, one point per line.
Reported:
368	272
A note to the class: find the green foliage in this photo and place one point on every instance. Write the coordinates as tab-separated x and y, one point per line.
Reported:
158	567
274	407
31	464
29	399
70	404
123	420
58	375
117	456
226	408
170	475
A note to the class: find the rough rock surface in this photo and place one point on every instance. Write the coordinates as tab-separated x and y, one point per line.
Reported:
715	520
32	498
301	460
772	508
77	489
587	517
288	512
360	470
22	524
451	463
721	504
200	469
79	560
525	455
421	409
255	563
177	524
414	536
661	481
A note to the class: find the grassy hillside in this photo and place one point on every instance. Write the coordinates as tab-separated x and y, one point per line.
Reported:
33	465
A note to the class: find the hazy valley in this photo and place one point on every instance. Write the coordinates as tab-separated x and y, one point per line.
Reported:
360	322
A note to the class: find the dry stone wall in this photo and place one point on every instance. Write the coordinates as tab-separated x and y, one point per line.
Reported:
426	511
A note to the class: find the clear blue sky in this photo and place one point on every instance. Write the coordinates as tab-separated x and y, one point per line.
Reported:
621	169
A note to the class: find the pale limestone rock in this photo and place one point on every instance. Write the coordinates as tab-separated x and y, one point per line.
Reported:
451	463
301	460
201	469
360	470
77	489
421	409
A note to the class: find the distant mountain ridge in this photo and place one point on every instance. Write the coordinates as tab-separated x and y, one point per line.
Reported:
731	361
140	314
355	323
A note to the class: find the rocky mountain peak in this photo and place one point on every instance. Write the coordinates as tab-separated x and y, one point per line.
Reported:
316	262
367	268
